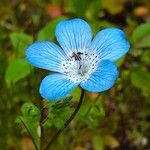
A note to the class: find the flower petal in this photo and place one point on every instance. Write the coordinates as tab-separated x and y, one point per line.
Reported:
74	35
46	55
56	86
110	44
103	78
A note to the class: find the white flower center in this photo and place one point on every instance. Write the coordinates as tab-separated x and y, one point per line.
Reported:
79	66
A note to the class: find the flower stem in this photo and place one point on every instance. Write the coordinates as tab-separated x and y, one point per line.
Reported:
67	122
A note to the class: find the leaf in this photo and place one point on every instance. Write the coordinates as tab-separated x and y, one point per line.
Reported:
141	79
95	116
59	112
93	112
101	111
146	57
48	123
80	7
98	142
16	70
31	120
36	18
76	94
48	32
141	36
20	40
18	119
58	123
93	10
113	6
85	109
144	42
62	103
28	109
120	61
111	141
65	99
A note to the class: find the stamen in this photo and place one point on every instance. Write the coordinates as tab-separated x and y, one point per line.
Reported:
76	56
80	66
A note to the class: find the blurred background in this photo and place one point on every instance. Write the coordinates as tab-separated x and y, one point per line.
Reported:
118	119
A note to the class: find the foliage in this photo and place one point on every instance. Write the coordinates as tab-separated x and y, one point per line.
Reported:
17	69
30	119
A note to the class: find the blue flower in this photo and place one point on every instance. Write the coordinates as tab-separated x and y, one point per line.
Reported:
80	61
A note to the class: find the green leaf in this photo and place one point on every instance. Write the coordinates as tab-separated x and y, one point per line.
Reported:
100	110
59	112
113	6
146	57
62	103
98	142
145	42
93	112
85	109
20	40
58	123
76	94
65	99
31	120
16	70
93	10
111	141
141	36
28	109
48	123
18	119
141	79
120	61
36	18
48	32
80	7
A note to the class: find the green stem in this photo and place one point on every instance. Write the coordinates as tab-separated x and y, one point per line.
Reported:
67	122
36	147
41	124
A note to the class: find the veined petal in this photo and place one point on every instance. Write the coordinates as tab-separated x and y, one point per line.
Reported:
74	35
46	55
110	44
56	86
103	78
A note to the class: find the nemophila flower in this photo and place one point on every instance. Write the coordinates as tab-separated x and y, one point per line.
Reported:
80	60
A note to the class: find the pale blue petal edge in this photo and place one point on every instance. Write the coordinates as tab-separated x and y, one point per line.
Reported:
74	35
46	55
110	44
56	86
103	78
